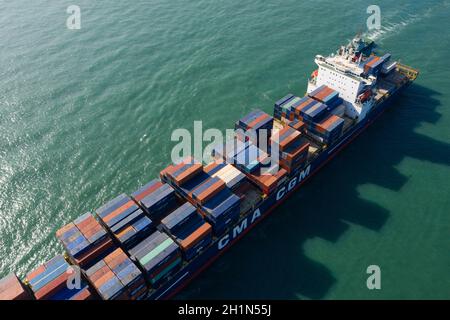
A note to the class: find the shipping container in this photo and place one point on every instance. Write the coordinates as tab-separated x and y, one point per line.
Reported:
50	280
283	100
116	277
268	180
11	288
183	172
185	214
329	129
221	210
145	190
207	190
159	202
159	255
85	241
314	113
284	137
187	227
231	176
125	220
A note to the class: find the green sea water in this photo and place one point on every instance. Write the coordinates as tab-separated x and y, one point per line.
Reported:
87	114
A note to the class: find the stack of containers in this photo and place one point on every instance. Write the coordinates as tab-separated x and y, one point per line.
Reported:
181	173
11	288
329	129
145	190
327	96
156	198
296	124
293	148
222	210
252	125
206	190
285	107
250	159
303	104
311	112
159	256
85	241
268	181
116	277
374	64
188	229
232	177
277	110
49	282
125	220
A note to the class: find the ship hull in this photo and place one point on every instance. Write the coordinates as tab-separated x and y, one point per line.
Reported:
246	223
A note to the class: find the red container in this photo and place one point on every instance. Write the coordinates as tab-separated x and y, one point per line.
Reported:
188	174
210	167
118	211
285	137
261	118
148	191
300	151
11	288
299	125
215	188
268	182
52	287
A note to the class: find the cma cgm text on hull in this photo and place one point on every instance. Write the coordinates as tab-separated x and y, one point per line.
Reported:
281	193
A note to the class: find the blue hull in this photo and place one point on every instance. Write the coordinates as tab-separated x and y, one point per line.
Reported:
224	242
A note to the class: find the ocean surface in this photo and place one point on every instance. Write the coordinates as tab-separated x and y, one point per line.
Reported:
87	114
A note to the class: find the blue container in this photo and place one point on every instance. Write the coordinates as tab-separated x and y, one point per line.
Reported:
204	186
127	221
112	289
331	97
183	215
68	294
315	112
53	268
144	188
222	210
217	168
189	186
156	203
152	242
121	216
244	121
284	100
319	89
112	205
192	252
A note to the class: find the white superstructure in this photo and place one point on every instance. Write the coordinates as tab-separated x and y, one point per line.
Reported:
345	73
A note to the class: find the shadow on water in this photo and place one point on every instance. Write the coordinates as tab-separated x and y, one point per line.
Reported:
270	261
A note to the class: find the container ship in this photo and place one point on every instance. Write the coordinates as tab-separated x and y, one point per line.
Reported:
150	244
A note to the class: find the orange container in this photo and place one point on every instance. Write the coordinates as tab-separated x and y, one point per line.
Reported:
196	236
188	174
